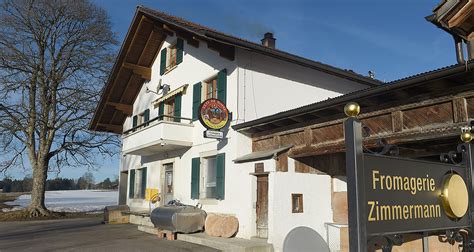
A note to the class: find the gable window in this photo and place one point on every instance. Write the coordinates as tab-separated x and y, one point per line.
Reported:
208	177
137	184
171	56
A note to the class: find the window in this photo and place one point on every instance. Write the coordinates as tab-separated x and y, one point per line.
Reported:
137	185
171	57
208	177
210	89
215	87
141	118
296	202
169	110
209	190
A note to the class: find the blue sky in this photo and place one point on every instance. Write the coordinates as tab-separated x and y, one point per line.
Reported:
389	37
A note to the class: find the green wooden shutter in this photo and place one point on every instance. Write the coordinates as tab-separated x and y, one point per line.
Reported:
146	116
161	110
163	61
179	51
196	100
222	85
134	121
143	188
220	176
195	173
177	108
131	190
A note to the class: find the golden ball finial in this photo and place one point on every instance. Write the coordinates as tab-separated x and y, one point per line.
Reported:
466	137
352	109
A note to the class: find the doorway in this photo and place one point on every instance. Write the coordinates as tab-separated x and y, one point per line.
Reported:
262	206
123	188
168	183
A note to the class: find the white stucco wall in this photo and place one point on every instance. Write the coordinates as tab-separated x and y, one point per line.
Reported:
257	86
316	190
268	85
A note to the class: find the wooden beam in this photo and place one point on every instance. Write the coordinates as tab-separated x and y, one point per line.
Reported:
124	108
144	72
190	39
460	110
462	15
112	127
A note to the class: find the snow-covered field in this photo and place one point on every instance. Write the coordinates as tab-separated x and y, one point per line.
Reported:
71	201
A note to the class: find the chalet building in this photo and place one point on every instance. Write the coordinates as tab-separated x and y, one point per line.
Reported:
165	69
280	167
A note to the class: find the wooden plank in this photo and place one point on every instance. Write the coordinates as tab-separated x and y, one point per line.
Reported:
143	71
282	162
460	110
397	121
125	108
295	138
113	128
328	133
429	115
380	124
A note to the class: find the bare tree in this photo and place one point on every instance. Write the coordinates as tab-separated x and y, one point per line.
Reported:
54	59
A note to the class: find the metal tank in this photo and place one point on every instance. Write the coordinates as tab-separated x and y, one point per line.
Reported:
182	219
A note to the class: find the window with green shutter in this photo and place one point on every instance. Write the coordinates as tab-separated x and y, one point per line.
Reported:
179	51
196	100
220	176
222	86
146	116
163	62
177	108
161	110
195	177
143	183
134	122
131	190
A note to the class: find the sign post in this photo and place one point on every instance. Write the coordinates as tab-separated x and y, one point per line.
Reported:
391	196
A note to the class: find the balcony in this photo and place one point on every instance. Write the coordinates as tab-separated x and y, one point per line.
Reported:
161	134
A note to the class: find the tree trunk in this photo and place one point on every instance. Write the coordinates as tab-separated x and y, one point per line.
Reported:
37	206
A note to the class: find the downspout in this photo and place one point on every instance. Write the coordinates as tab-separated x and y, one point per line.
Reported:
459	50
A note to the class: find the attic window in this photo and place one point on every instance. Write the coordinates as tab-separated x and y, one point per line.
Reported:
171	57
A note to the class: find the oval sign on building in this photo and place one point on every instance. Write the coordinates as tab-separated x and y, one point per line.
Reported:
213	114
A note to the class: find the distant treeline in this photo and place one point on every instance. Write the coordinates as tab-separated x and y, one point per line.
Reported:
83	183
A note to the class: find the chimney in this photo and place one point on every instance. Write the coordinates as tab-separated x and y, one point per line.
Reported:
268	40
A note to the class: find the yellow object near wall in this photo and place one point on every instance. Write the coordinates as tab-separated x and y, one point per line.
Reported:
152	194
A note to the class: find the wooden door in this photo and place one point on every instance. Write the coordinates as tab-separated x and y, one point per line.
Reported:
262	206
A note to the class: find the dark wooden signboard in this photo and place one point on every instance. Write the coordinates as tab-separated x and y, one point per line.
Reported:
391	196
403	195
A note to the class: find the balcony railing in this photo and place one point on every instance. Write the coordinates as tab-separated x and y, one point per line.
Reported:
162	133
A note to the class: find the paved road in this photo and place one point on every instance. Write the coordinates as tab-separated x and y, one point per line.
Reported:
83	235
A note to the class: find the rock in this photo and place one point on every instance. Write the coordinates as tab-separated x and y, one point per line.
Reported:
220	225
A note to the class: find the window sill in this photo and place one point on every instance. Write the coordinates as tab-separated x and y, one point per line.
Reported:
170	69
209	201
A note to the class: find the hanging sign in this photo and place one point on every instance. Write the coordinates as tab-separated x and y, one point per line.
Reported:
213	114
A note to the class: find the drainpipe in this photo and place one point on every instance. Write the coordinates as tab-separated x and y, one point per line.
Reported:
459	50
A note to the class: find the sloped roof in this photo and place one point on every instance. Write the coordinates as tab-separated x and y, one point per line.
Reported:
140	48
243	43
431	84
